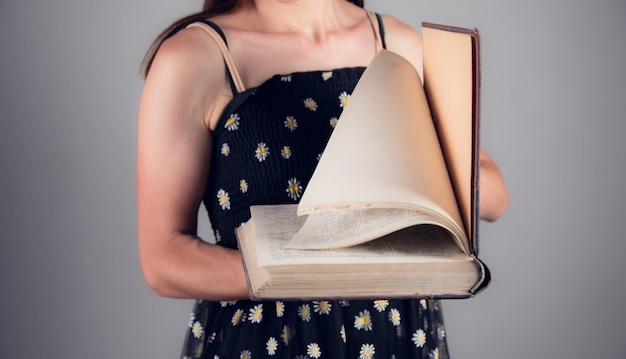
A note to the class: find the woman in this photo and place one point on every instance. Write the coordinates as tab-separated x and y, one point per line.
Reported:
235	114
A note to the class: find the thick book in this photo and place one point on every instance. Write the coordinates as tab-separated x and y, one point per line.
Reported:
391	210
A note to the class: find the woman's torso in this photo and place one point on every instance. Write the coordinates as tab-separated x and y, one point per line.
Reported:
266	145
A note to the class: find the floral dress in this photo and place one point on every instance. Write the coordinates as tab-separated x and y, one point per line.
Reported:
265	148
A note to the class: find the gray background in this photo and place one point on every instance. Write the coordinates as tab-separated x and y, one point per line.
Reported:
554	101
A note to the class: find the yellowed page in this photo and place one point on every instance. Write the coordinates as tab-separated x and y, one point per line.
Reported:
335	229
274	226
449	81
349	227
384	151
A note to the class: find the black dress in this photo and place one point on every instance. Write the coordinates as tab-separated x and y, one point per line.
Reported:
266	146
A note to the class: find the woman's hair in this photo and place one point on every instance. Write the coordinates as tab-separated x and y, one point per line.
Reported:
209	8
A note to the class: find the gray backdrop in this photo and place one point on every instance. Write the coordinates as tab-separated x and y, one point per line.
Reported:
553	116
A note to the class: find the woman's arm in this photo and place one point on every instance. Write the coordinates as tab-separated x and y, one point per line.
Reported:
182	95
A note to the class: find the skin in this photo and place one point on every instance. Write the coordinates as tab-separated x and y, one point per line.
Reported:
183	96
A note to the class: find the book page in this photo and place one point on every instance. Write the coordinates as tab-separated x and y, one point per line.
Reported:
452	84
275	225
384	150
349	227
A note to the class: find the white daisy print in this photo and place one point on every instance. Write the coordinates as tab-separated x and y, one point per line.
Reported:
243	186
280	309
271	346
218	236
322	307
294	190
363	321
225	150
400	331
333	122
367	351
344	98
286	78
381	305
256	314
419	338
237	317
192	319
291	123
232	123
212	337
286	152
261	151
326	75
223	199
342	332
434	354
310	104
441	332
199	350
286	334
225	303
304	312
394	317
423	303
245	354
313	350
344	303
197	330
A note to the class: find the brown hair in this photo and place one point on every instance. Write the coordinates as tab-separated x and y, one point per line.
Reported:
209	8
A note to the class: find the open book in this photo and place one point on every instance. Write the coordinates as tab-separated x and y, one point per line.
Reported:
392	207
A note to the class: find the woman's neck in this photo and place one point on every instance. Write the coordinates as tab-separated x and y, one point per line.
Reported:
284	36
313	19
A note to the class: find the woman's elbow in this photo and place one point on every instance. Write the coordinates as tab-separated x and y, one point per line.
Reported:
494	194
494	201
154	269
153	278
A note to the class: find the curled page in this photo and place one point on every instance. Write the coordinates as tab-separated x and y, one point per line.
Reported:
384	151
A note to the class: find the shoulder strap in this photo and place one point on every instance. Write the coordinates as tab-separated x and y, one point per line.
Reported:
379	30
220	39
235	80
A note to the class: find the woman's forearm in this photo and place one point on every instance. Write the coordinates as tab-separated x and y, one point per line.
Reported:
187	267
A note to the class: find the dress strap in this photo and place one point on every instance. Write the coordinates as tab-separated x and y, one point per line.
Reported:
218	36
379	30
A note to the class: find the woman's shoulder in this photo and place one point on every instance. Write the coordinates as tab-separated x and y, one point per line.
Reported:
190	65
404	40
190	46
193	57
